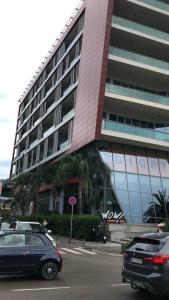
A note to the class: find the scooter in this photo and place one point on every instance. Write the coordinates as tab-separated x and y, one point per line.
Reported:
99	235
104	239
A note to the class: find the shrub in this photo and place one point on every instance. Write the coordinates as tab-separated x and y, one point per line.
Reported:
60	224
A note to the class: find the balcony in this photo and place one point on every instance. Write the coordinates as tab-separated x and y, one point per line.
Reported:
158	4
67	116
139	58
136	131
64	145
140	28
48	131
138	94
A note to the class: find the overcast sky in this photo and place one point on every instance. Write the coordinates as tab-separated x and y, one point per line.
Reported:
28	28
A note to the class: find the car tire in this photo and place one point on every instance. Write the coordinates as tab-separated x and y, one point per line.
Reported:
49	270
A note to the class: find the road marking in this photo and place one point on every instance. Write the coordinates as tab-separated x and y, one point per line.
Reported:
41	289
62	252
84	250
119	284
70	250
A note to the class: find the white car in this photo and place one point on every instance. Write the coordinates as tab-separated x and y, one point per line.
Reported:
33	226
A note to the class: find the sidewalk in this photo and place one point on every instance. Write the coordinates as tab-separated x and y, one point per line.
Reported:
110	247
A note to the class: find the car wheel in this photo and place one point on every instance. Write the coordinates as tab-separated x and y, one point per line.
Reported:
49	270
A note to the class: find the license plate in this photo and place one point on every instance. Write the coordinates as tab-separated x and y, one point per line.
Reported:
136	260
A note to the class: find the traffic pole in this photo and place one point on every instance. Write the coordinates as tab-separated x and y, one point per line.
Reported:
71	225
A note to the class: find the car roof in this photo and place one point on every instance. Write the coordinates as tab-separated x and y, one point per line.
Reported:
2	232
27	222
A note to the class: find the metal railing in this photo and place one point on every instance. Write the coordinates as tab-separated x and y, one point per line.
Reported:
133	130
158	4
139	58
140	28
134	93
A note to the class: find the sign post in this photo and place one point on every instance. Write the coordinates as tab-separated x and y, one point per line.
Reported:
72	201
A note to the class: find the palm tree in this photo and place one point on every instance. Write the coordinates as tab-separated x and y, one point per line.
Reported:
99	173
73	166
158	210
27	186
20	190
43	175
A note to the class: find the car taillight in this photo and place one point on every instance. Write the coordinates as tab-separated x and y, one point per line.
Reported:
158	260
125	255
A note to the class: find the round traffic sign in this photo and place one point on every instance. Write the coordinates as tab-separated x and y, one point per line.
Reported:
72	200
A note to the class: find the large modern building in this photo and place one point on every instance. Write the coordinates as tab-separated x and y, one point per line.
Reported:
105	83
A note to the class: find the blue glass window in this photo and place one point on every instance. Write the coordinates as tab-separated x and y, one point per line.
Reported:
156	184
147	201
124	203
121	181
145	185
135	207
165	184
133	183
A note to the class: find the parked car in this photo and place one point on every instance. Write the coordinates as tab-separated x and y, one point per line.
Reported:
146	263
33	226
5	226
28	253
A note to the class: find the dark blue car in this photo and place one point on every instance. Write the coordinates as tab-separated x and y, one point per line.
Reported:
28	253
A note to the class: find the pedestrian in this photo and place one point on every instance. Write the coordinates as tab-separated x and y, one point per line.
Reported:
45	223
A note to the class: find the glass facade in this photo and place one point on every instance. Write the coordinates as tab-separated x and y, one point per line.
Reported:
135	178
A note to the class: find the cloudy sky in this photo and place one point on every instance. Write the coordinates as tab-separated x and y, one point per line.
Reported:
28	28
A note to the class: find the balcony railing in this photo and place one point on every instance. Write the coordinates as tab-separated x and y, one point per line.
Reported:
68	115
48	131
140	28
134	93
156	3
133	130
139	58
63	145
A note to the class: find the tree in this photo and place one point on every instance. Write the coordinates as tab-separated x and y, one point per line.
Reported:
42	175
100	175
73	166
20	190
158	210
27	185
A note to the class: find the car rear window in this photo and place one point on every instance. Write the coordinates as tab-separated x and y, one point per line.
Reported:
145	245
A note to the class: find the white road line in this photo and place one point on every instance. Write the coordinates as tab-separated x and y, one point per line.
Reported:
62	252
84	250
120	284
70	250
41	289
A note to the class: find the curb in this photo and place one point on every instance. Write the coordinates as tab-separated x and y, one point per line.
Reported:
109	247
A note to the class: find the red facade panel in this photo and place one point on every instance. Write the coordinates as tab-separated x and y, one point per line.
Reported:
92	72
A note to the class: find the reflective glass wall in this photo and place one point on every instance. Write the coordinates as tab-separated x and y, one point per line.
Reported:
135	178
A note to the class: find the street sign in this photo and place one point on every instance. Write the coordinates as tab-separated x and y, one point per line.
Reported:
72	200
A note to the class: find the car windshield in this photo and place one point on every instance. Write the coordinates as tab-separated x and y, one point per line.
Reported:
5	226
31	226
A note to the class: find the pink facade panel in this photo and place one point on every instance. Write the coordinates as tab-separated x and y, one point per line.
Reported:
92	72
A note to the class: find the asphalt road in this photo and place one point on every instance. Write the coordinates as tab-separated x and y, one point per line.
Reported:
85	276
